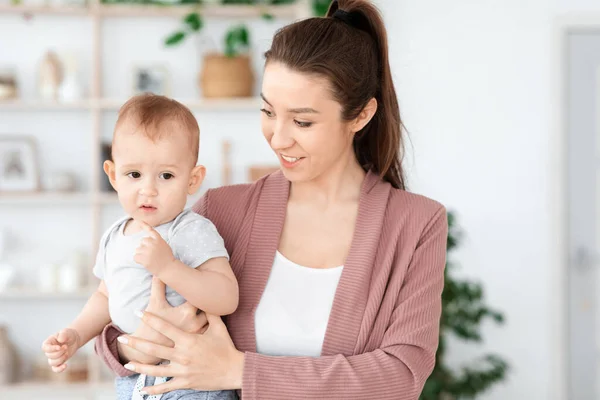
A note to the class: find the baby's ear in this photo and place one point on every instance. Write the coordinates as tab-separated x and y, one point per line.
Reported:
109	170
196	178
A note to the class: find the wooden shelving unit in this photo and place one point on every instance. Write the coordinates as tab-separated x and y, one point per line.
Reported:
96	105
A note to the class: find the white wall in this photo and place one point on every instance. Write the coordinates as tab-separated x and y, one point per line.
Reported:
475	81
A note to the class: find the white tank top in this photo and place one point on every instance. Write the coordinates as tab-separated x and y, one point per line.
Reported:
293	312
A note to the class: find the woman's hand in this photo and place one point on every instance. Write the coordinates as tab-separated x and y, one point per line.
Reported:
202	362
184	317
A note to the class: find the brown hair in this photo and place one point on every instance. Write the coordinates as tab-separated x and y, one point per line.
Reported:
350	49
157	117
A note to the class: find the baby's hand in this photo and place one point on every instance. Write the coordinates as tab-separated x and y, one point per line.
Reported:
153	253
61	347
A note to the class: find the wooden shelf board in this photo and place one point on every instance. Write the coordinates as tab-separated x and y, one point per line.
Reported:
42	9
155	10
45	198
225	104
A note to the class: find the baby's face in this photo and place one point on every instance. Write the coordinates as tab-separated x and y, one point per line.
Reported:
153	179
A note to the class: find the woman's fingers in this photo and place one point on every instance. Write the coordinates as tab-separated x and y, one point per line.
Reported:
152	370
168	386
148	348
170	331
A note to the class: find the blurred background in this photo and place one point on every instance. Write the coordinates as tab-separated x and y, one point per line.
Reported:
500	99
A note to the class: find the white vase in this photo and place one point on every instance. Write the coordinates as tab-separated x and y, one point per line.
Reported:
70	89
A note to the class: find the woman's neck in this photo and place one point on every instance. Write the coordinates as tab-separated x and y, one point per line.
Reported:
341	183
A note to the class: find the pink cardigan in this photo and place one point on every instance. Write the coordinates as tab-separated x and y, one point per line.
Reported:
382	334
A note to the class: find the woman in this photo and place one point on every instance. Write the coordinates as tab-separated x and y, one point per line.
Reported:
340	270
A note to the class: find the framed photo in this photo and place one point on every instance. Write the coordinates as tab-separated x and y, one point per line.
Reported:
151	79
18	164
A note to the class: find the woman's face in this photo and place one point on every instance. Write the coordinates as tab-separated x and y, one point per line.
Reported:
302	123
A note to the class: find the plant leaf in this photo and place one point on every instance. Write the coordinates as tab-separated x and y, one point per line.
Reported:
175	38
194	21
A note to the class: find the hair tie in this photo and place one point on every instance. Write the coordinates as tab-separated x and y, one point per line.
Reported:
346	17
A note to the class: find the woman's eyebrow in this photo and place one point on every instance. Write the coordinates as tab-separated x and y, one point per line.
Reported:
301	110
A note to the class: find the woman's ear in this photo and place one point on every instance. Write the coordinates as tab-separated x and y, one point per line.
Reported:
109	170
365	115
196	179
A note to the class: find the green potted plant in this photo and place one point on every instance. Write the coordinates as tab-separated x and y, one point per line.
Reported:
227	74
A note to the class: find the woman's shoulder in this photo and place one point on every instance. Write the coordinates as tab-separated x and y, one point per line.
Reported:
415	212
402	201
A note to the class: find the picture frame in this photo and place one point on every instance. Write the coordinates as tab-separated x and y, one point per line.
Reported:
151	79
19	169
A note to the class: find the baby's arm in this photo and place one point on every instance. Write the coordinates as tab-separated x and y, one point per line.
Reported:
211	287
93	318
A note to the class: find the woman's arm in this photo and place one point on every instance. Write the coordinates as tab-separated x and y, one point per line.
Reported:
397	370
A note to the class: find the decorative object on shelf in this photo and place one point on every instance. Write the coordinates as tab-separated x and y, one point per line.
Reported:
18	164
7	272
51	76
8	84
70	89
255	172
8	358
223	75
226	76
226	174
463	312
48	278
70	273
151	79
62	181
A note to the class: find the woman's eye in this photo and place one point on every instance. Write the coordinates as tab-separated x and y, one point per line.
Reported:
166	175
134	175
267	112
303	124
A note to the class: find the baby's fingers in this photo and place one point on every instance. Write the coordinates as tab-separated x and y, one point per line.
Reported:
50	345
57	362
60	368
56	354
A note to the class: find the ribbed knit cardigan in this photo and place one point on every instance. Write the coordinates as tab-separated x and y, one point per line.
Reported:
382	333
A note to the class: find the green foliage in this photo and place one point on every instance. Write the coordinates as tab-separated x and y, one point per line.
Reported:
463	311
320	7
236	41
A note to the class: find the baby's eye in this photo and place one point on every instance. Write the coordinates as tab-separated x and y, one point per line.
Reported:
166	175
134	175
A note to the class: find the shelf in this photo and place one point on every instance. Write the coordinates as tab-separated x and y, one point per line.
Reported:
45	198
40	105
34	294
42	10
226	104
156	10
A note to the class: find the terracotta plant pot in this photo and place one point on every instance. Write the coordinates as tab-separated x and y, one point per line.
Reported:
224	76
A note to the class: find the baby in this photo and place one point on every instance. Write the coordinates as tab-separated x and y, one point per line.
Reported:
155	151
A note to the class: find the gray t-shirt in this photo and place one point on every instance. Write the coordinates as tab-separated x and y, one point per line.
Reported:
193	239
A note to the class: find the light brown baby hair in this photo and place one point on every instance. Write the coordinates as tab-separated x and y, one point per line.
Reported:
158	117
